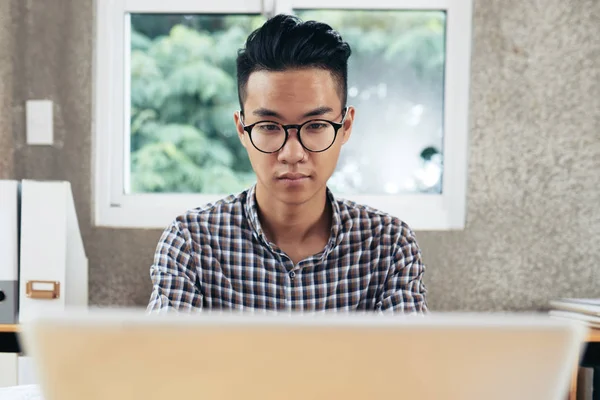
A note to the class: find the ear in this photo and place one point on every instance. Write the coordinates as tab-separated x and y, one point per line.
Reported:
348	123
239	127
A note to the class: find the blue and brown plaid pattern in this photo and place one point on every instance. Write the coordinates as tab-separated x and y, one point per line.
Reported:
217	258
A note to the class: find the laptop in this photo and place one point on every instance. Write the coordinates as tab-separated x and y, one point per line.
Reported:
126	354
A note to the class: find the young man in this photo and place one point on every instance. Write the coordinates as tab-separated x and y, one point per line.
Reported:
286	244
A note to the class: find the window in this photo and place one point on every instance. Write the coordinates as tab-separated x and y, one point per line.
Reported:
165	140
183	94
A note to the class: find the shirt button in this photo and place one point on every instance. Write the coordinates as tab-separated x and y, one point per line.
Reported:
292	274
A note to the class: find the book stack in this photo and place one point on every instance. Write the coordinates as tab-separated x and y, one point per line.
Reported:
583	310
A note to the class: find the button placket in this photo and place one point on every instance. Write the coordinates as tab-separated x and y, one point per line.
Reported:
288	290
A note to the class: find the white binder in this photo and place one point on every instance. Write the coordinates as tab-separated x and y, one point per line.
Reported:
43	265
8	369
53	273
26	371
9	250
9	271
53	265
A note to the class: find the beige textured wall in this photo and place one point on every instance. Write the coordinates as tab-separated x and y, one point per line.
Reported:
533	226
6	52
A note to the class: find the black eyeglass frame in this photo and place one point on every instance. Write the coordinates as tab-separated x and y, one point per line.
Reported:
336	127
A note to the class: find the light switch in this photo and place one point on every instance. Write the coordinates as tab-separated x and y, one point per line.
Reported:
40	124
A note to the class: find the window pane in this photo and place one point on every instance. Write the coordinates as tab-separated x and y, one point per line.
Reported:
183	96
396	83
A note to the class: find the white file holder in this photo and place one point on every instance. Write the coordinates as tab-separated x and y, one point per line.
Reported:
53	273
8	369
54	268
9	271
9	251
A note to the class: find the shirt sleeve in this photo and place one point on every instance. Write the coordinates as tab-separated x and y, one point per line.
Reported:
173	274
404	291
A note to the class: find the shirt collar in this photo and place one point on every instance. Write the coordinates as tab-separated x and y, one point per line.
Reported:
252	214
336	225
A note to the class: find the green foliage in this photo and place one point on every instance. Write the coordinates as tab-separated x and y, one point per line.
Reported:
183	96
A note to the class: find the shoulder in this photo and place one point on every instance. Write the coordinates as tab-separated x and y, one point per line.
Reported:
369	228
227	211
357	217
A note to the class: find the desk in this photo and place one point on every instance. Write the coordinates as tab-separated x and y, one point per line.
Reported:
8	328
594	335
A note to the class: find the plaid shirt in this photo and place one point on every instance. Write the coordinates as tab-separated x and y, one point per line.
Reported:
217	257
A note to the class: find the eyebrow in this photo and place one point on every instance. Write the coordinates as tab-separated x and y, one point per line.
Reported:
265	112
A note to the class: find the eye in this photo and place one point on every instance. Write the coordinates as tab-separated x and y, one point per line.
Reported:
316	127
268	127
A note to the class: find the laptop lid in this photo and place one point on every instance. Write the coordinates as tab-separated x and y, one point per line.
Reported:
129	355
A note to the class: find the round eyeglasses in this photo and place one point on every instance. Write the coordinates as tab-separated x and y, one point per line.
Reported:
316	135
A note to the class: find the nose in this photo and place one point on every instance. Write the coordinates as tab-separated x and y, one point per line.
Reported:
292	152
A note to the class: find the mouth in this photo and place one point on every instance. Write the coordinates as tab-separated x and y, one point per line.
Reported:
292	177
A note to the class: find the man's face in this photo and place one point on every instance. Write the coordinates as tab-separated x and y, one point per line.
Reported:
293	174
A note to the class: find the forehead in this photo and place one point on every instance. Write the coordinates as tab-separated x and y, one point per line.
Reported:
292	92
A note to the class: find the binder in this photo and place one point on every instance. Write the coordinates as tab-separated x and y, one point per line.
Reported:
9	251
43	265
53	271
26	371
8	369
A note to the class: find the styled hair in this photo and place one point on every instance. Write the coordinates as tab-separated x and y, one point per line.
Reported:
286	42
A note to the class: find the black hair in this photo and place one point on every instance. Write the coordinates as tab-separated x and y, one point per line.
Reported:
286	42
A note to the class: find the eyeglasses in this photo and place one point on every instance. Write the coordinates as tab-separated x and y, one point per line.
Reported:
316	135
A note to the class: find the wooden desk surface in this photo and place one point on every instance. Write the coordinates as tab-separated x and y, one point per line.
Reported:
594	335
9	328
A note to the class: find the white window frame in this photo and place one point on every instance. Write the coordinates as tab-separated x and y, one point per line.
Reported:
113	208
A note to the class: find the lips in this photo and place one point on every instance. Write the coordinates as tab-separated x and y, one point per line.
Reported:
292	176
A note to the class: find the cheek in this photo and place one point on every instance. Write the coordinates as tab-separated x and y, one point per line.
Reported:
261	163
326	162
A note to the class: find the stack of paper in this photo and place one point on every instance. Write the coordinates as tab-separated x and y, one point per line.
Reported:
584	310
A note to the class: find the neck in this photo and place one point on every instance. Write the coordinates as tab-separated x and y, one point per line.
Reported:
285	223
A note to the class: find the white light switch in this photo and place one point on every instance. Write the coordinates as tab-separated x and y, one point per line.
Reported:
40	124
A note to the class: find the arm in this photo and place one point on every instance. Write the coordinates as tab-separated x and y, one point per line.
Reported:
173	274
404	291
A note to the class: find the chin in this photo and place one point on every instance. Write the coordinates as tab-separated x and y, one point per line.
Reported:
293	198
294	195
